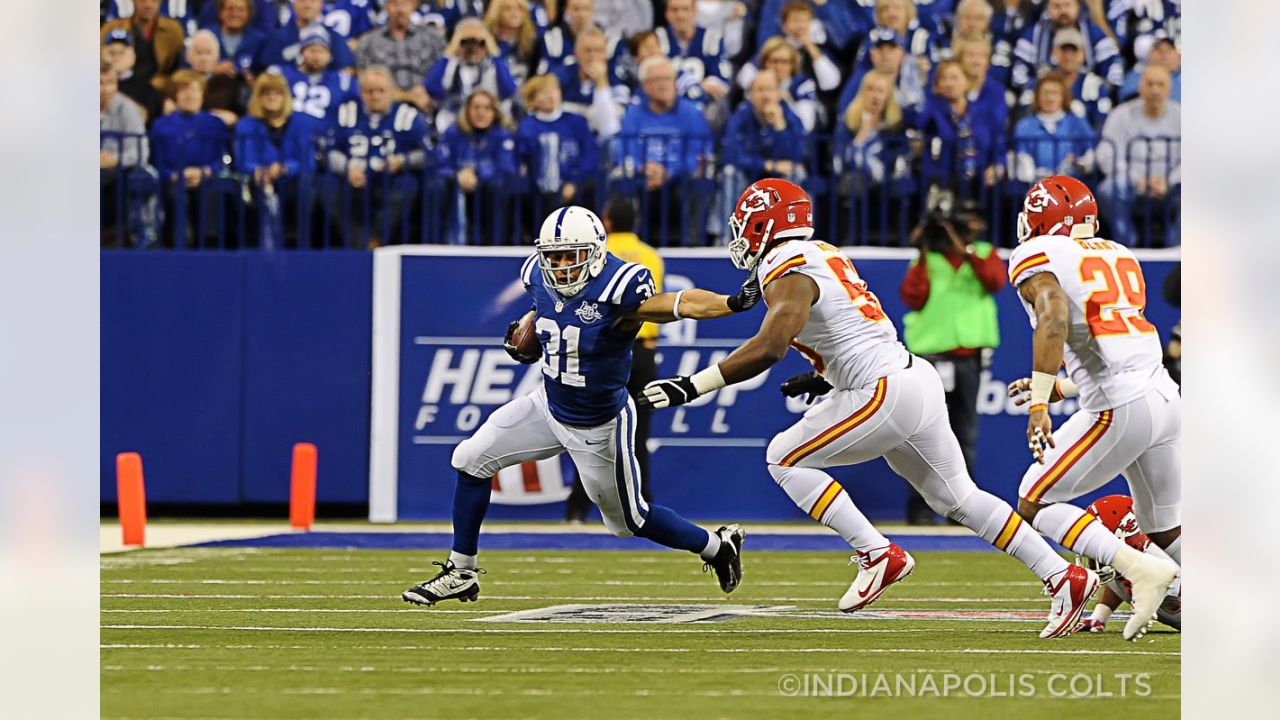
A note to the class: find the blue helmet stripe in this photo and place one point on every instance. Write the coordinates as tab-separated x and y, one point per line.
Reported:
560	219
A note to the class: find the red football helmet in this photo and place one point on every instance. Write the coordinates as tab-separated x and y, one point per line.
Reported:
1058	205
1116	514
768	210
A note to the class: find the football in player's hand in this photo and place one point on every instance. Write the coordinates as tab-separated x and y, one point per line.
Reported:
522	342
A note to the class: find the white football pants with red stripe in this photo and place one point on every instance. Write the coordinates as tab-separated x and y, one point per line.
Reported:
1139	440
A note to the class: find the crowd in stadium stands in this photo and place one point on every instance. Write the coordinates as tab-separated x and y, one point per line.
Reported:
355	123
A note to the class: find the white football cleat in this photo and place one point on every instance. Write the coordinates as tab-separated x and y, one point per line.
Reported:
1070	589
877	570
1149	581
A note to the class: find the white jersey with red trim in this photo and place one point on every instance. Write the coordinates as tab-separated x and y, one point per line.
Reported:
848	338
1112	353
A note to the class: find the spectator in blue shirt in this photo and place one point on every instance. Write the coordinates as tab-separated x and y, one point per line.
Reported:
964	146
284	47
1051	140
799	91
590	89
985	91
512	25
319	90
264	17
1139	23
766	138
471	62
239	37
838	22
557	148
1090	95
870	142
1035	46
811	61
559	40
888	55
698	53
276	148
665	144
900	17
477	160
972	21
374	160
187	149
1164	53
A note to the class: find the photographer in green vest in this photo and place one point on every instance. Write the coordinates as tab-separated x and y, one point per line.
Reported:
953	323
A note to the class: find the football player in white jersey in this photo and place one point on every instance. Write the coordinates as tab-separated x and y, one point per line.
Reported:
1085	297
885	403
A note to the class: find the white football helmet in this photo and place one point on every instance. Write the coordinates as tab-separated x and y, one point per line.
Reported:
570	229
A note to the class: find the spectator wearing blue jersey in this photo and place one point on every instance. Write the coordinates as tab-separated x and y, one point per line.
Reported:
446	14
799	91
900	17
240	39
276	148
1035	47
726	17
187	148
888	55
1051	140
811	60
264	17
589	88
477	160
557	149
373	164
838	23
665	145
1164	53
347	19
1090	95
471	62
180	11
985	91
406	49
560	40
972	21
964	146
285	45
697	53
1010	20
511	23
766	138
1140	23
319	90
871	149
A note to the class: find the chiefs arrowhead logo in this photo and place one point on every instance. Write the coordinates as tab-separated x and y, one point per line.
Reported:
758	200
1038	199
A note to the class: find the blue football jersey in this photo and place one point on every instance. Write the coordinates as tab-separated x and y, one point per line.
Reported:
586	360
320	96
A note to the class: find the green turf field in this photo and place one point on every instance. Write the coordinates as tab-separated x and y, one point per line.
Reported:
213	633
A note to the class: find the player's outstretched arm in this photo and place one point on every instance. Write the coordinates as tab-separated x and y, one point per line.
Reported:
696	304
1053	315
789	301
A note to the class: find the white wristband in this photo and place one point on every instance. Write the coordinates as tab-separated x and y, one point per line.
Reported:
1041	388
708	380
675	307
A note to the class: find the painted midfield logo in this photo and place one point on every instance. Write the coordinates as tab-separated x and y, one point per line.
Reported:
588	313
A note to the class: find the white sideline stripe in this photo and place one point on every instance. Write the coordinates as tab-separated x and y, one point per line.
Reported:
507	648
422	670
486	341
707	629
207	611
499	583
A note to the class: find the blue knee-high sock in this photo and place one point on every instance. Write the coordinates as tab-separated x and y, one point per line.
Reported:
665	527
470	503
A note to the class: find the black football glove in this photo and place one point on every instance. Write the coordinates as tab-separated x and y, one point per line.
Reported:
667	392
810	383
748	295
513	351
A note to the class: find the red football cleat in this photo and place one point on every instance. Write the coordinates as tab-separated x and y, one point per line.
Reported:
877	570
1070	590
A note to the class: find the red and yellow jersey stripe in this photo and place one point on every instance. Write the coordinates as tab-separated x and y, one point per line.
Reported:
1070	457
1032	261
786	267
829	435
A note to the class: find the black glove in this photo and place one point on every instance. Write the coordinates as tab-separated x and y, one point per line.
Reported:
748	295
667	392
511	349
810	383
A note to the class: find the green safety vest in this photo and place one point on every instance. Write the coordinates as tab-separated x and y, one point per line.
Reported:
959	313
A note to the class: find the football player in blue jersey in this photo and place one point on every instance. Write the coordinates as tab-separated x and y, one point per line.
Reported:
588	308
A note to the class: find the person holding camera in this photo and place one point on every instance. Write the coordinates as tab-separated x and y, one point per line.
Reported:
950	290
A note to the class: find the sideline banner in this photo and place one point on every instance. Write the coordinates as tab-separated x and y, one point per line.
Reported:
439	370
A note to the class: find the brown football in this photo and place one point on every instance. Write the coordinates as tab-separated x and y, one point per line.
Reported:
525	338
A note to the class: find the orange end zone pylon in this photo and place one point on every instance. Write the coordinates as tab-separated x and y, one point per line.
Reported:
131	499
302	492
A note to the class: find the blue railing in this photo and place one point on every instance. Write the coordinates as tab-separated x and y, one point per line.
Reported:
869	195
